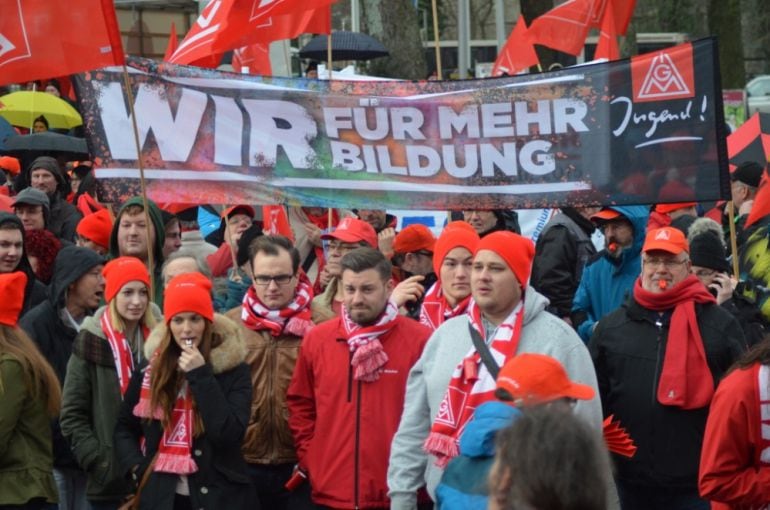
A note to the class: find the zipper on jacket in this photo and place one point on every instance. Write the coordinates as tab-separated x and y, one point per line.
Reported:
350	379
357	444
270	398
659	326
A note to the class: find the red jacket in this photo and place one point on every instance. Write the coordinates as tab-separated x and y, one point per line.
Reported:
220	261
731	475
342	427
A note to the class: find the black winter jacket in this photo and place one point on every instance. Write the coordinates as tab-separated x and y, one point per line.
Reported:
222	395
628	348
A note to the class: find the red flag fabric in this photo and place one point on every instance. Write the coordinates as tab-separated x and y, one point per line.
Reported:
608	37
254	59
228	24
173	42
275	221
517	54
37	39
289	26
565	27
622	11
761	207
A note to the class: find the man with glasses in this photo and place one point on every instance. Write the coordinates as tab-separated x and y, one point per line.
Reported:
608	277
658	359
274	317
351	233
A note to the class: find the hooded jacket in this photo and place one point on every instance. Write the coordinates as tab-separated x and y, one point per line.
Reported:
410	467
63	217
221	390
35	291
607	280
53	336
90	405
464	482
157	249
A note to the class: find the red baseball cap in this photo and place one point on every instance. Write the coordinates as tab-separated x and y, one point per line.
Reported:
413	238
536	378
668	239
242	209
606	214
353	230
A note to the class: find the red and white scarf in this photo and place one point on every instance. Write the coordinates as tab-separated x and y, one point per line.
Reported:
436	310
762	379
121	350
175	447
368	354
470	388
294	318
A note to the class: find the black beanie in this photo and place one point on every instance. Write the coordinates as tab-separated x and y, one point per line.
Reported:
707	250
248	235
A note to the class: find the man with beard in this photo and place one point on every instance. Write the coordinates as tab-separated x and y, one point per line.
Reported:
610	275
76	291
45	174
347	393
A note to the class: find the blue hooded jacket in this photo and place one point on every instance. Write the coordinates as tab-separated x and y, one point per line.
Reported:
607	280
463	485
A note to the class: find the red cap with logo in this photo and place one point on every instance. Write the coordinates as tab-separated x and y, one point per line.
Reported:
668	239
353	230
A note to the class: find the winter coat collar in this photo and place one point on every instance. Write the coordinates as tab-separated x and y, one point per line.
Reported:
229	354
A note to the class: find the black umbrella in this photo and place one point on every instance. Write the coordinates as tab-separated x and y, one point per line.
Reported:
345	46
47	143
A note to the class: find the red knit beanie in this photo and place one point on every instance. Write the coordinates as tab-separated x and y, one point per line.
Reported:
12	287
120	271
188	292
96	227
454	235
517	251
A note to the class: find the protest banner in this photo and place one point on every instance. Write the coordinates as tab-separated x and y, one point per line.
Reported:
644	130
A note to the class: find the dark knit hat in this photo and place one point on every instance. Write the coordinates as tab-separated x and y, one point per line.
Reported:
749	173
51	165
707	250
32	196
248	235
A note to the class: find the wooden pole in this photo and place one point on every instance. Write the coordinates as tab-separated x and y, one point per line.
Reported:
145	203
439	72
329	54
733	241
235	276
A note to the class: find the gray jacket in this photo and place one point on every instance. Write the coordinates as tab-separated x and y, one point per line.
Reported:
410	467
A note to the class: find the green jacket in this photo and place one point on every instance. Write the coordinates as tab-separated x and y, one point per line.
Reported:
91	402
26	454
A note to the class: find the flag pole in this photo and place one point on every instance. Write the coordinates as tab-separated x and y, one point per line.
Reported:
236	276
733	240
329	53
439	73
145	203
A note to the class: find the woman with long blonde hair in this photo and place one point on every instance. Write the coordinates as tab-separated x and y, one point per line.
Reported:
184	417
29	398
105	353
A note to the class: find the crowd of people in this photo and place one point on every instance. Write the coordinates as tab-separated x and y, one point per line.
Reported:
347	364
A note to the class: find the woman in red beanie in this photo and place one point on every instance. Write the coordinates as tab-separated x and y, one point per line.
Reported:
183	419
29	398
105	353
452	261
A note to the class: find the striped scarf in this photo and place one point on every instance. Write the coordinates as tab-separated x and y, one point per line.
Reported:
364	342
121	350
467	391
294	318
435	309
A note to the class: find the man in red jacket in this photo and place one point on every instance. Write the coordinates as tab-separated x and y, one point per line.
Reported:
347	393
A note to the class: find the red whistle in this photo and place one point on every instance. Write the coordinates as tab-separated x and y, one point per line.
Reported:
297	479
470	370
612	247
662	284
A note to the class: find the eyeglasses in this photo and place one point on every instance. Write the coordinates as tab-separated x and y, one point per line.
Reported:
279	279
705	273
667	263
338	245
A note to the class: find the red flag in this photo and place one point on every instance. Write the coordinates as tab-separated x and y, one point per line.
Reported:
565	27
622	12
518	53
608	37
761	207
227	24
173	42
275	221
37	39
289	26
254	59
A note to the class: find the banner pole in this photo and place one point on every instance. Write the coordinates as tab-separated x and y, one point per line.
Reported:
236	276
733	240
329	219
439	73
329	54
145	203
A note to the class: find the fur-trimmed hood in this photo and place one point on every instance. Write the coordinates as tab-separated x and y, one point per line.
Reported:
228	355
